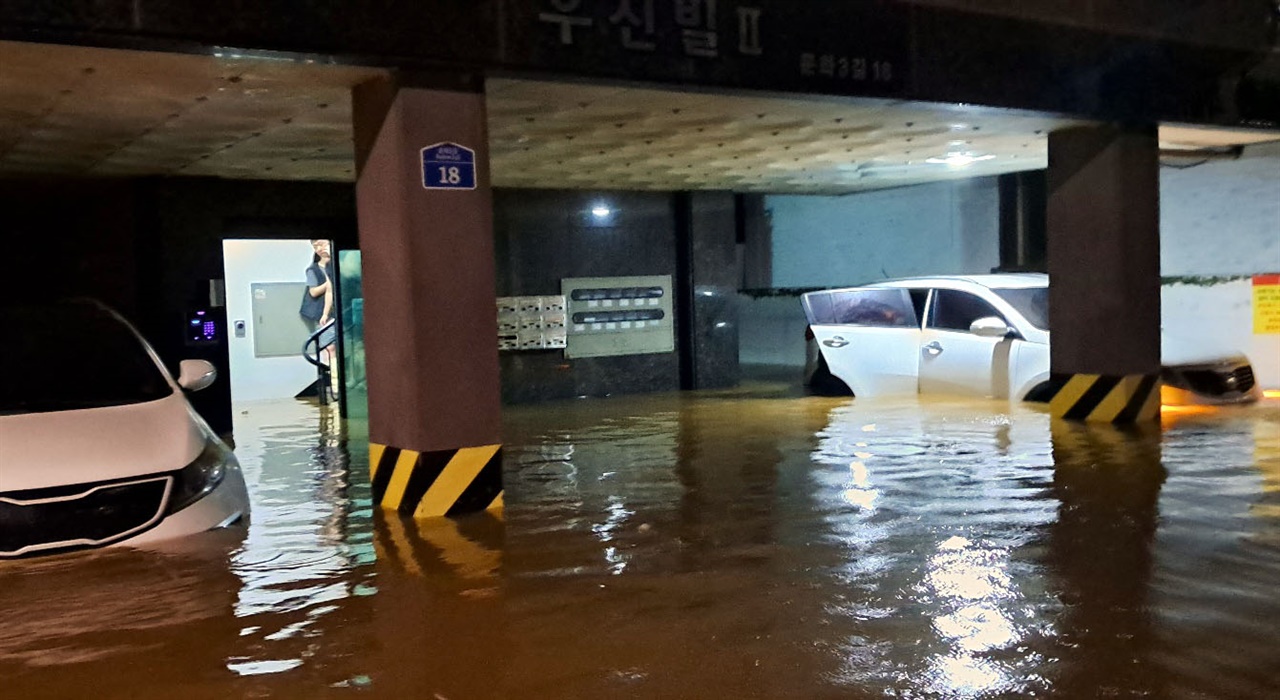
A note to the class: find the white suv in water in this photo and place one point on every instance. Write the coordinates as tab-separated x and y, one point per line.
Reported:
98	444
984	335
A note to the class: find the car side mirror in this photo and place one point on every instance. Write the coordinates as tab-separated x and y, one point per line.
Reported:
990	327
194	375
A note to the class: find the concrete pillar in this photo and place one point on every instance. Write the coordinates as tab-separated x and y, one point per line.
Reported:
428	273
1103	225
707	278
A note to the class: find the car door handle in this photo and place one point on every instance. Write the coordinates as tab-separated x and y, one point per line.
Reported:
932	349
835	342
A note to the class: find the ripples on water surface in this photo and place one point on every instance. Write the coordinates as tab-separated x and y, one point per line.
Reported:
745	544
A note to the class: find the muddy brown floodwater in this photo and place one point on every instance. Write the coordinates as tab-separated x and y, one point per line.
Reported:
752	543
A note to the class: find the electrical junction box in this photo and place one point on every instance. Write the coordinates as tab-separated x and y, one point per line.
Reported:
609	316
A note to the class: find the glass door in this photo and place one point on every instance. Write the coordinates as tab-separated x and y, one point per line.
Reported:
355	402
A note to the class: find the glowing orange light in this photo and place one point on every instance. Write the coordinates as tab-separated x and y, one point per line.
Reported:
1170	416
1172	396
1272	393
1186	410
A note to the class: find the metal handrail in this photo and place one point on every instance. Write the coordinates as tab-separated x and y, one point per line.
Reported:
322	369
315	338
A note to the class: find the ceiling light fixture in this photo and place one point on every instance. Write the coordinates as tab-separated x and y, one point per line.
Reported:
958	159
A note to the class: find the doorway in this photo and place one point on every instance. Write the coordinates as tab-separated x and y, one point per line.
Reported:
266	282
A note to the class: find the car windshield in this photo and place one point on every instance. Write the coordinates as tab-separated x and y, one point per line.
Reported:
1031	302
71	356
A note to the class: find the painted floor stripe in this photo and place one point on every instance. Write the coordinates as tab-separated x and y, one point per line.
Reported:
457	476
497	502
400	479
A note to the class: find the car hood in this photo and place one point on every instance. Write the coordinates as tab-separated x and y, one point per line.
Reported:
1176	351
40	450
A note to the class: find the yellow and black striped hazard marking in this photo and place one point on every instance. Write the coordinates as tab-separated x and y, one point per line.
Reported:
444	549
441	483
1100	398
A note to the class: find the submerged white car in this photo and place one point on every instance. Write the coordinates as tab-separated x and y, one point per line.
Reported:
98	445
983	335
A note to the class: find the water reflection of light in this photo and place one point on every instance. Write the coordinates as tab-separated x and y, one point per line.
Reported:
257	668
1188	409
977	628
618	514
303	547
969	581
860	492
965	676
1170	415
959	571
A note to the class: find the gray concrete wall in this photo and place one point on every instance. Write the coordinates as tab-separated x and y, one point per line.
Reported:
943	228
771	330
1222	217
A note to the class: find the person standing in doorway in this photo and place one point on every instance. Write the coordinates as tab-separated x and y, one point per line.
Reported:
317	303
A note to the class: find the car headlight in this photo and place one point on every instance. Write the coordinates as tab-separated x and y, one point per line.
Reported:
198	479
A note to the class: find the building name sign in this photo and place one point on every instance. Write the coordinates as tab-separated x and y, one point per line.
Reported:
736	42
636	22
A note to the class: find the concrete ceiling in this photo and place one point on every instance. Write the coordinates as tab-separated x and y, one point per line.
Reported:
83	111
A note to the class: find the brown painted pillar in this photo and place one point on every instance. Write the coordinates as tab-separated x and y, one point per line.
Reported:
1103	225
426	240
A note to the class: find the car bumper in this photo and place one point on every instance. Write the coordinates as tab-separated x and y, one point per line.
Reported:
1176	396
1209	384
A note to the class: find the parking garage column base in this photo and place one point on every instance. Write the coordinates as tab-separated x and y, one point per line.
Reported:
1101	398
438	483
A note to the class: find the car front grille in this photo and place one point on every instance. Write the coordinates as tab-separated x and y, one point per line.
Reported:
86	515
1217	383
1244	378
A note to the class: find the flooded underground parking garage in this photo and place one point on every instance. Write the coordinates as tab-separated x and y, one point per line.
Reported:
752	543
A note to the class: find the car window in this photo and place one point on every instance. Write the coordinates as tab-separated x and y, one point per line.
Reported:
73	356
956	311
873	307
1031	302
817	307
